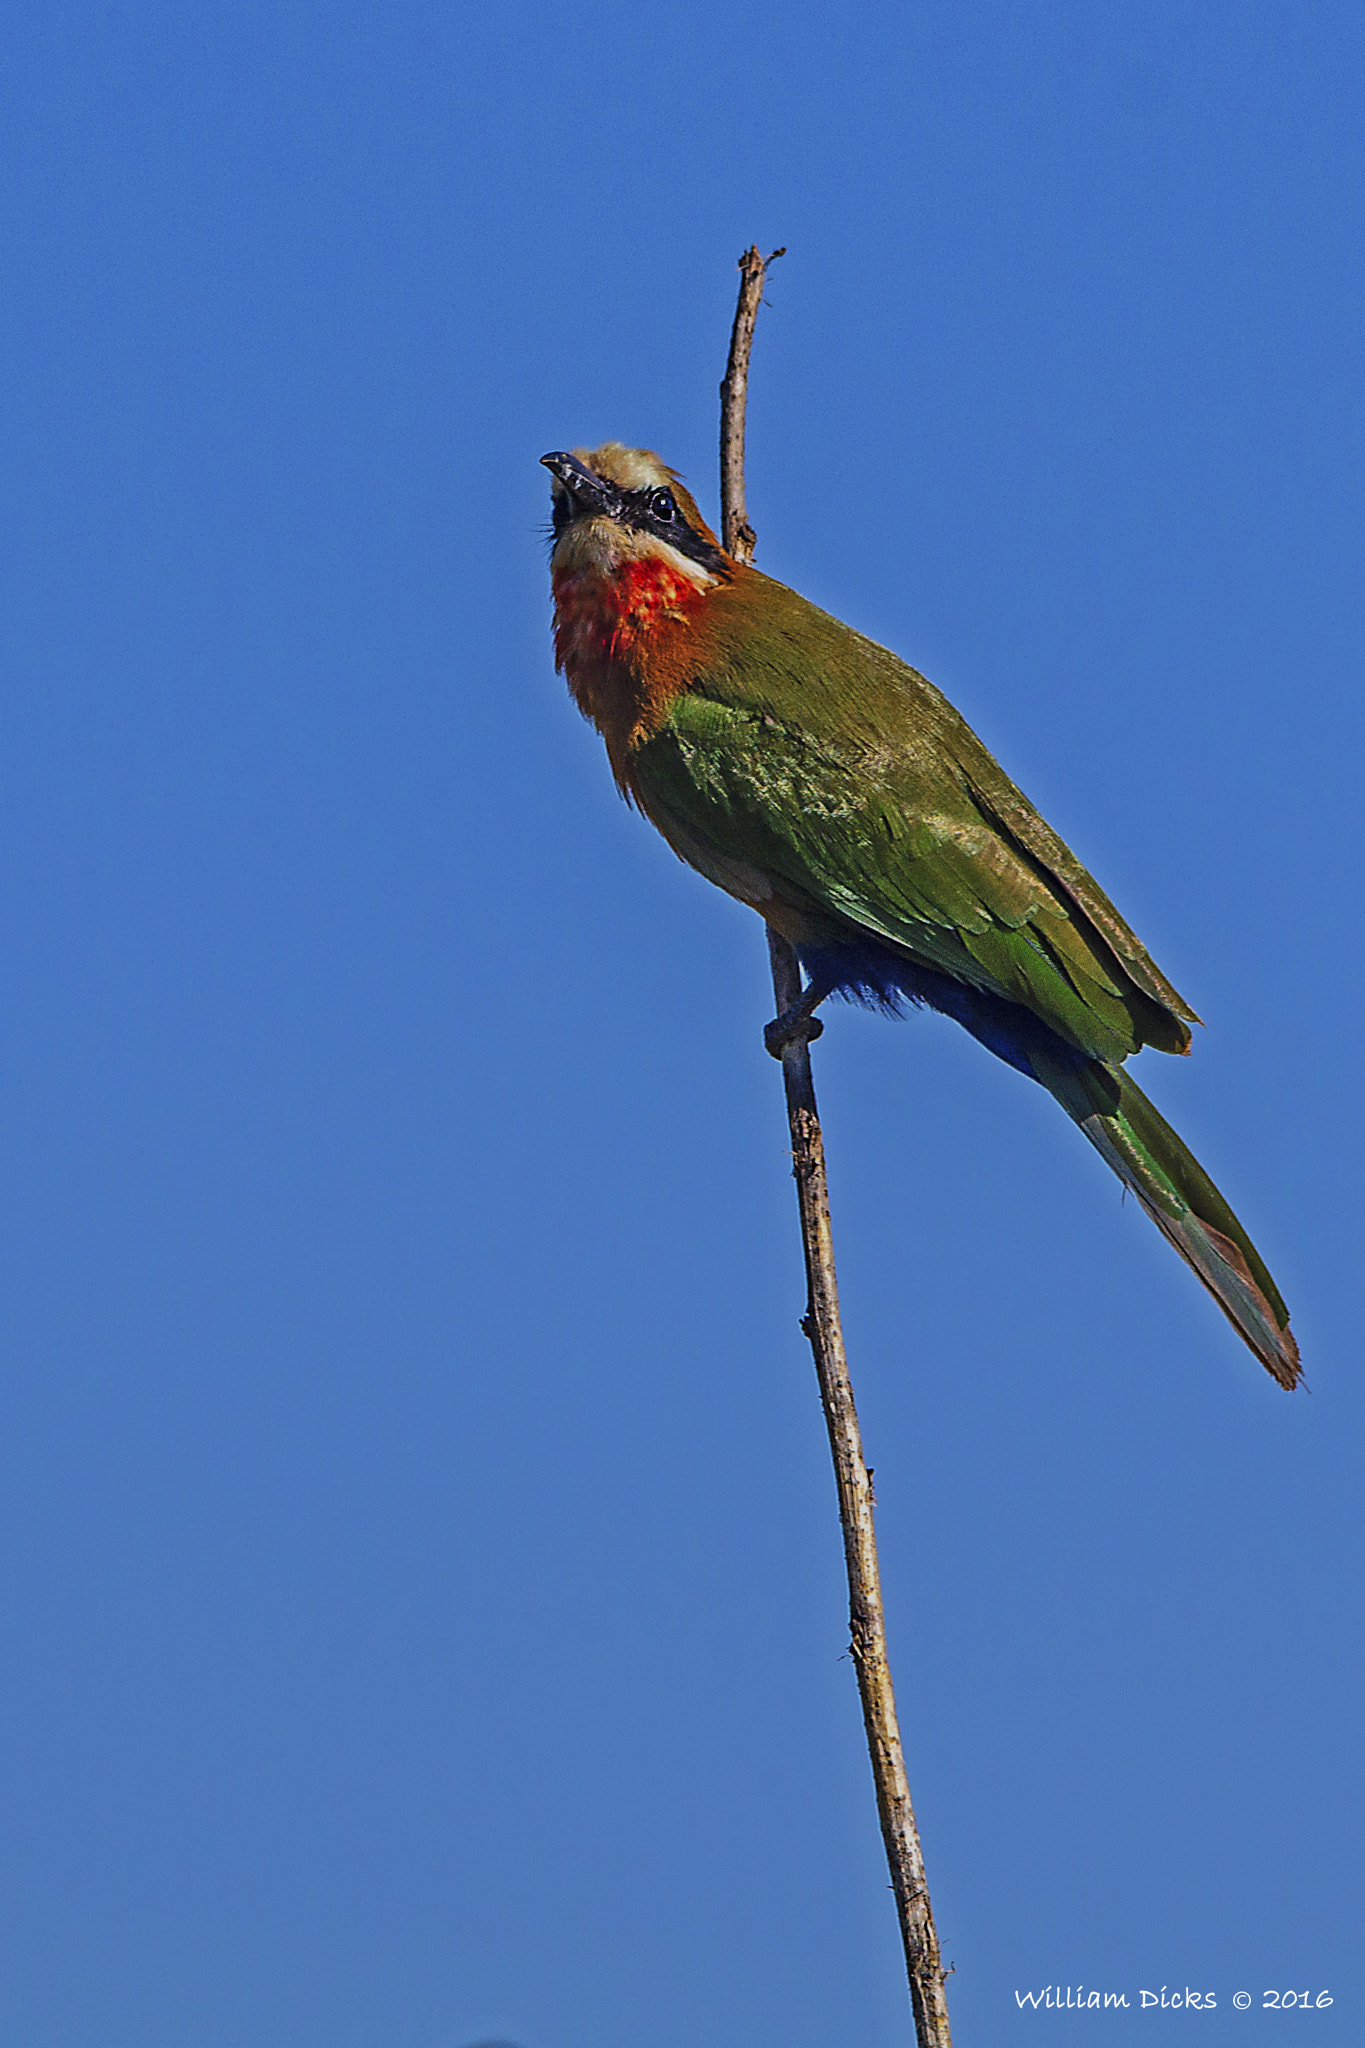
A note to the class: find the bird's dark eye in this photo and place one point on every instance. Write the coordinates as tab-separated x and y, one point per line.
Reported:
663	505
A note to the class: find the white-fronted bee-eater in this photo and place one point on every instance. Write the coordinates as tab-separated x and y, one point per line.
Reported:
818	778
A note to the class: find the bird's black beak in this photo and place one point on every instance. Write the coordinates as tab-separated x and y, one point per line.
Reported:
589	493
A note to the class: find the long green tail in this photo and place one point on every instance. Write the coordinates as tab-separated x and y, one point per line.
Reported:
1184	1204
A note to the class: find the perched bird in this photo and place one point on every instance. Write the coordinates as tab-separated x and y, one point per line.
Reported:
820	779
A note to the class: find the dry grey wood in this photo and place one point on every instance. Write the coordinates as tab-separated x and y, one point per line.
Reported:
867	1623
735	531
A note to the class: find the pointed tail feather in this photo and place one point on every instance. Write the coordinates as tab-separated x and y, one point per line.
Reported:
1184	1204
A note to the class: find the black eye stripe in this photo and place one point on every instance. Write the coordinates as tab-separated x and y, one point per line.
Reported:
652	509
652	505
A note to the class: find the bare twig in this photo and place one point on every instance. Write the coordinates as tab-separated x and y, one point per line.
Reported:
736	533
867	1625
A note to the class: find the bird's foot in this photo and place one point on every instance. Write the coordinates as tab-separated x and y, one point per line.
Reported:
795	1023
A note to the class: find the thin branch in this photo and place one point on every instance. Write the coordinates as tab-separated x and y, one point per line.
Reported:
738	536
867	1624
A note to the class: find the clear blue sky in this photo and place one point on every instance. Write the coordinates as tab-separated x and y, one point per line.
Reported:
422	1606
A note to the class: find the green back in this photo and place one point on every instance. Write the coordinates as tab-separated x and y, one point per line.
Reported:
844	776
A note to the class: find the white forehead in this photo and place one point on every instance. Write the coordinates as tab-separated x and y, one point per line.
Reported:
634	469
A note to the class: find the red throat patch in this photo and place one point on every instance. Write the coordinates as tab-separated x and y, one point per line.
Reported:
613	618
628	643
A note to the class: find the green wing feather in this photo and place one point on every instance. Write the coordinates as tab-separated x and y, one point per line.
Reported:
845	778
812	764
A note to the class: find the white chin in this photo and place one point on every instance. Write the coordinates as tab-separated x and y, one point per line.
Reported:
603	546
